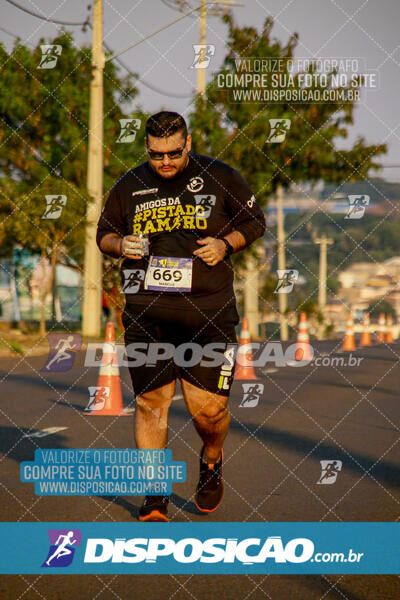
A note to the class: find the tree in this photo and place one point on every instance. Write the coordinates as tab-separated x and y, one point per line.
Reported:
48	221
44	115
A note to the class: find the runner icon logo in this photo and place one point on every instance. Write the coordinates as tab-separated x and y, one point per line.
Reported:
251	394
202	55
279	129
129	127
287	279
357	205
62	351
97	397
54	206
132	279
330	470
206	202
50	54
61	551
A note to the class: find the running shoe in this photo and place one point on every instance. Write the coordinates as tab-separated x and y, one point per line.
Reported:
154	508
210	488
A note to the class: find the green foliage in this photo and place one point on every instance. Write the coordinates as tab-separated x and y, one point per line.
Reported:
25	223
45	115
381	306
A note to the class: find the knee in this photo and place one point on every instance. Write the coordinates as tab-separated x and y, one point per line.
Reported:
212	415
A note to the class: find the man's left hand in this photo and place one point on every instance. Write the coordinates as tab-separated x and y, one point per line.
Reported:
212	250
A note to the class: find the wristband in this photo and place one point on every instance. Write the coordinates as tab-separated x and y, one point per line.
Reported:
229	249
120	247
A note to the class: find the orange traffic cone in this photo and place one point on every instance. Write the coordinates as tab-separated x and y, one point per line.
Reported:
348	342
366	334
389	339
107	399
303	349
244	364
380	332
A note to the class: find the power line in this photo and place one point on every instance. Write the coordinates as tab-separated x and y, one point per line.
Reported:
87	23
145	83
13	35
39	16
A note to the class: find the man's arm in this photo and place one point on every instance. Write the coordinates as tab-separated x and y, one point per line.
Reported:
111	244
247	219
111	225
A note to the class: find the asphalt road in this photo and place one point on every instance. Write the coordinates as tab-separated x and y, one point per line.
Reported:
272	465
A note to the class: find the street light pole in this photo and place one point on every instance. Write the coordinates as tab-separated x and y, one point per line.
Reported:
93	260
201	73
282	299
324	242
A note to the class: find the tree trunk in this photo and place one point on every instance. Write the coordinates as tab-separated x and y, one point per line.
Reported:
53	282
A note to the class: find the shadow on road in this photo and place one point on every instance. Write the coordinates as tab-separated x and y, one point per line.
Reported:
14	445
386	472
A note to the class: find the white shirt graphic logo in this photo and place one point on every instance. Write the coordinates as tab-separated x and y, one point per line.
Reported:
195	184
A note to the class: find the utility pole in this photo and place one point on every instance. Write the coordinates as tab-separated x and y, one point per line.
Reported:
93	260
201	73
323	241
282	299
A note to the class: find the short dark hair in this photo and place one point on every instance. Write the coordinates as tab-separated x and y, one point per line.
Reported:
166	123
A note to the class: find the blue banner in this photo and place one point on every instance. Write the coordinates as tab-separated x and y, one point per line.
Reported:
195	548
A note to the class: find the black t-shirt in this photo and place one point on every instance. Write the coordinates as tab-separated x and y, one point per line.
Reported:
208	198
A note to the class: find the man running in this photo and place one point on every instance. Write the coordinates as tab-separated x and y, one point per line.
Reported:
185	292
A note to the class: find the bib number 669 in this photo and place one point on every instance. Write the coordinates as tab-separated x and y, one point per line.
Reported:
167	275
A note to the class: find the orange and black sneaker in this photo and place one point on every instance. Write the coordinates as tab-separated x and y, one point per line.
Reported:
154	508
210	489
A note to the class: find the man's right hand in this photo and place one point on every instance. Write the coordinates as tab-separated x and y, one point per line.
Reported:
131	247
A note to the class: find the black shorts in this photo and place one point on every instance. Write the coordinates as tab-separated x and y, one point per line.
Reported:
189	335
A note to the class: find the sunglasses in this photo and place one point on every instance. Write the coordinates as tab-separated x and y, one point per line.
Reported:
172	154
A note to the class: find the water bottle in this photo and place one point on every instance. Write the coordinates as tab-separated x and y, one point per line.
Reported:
144	241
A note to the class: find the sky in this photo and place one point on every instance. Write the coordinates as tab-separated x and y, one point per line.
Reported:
362	29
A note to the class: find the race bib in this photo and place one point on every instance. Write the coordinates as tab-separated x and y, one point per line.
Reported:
169	274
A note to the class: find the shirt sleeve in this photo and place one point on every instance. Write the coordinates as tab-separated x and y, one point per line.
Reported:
111	218
246	215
